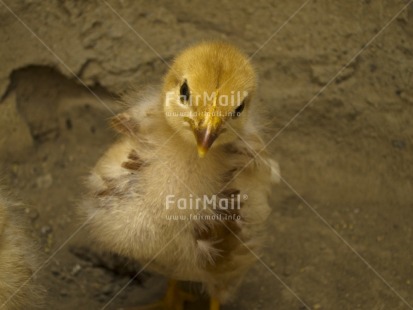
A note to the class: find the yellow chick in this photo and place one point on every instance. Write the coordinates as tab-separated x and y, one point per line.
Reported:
17	262
181	191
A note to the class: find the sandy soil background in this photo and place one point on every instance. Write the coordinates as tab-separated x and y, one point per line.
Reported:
341	227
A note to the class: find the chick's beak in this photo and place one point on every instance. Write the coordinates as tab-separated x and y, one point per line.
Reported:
205	136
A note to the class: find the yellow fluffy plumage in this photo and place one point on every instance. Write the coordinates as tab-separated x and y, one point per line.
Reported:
192	139
17	261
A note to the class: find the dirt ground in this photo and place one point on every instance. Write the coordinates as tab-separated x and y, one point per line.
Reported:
341	233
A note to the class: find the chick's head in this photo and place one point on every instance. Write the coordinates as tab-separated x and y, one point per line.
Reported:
207	93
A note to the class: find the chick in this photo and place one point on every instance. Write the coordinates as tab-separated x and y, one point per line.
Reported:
180	148
17	261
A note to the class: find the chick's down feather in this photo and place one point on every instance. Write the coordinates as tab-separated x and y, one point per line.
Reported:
145	192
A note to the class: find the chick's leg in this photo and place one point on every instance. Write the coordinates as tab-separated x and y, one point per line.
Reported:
174	299
214	304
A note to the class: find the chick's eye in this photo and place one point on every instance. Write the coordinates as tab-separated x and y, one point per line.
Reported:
239	110
184	92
